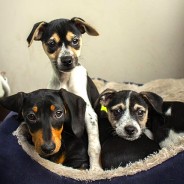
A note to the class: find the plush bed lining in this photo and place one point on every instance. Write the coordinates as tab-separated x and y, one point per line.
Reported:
168	89
130	169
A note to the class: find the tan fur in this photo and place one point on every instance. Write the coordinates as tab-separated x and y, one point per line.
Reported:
35	109
75	52
69	36
145	116
144	120
61	159
121	105
37	35
52	107
56	138
37	138
55	37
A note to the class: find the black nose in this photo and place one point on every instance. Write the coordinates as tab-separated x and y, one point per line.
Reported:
48	148
66	60
130	130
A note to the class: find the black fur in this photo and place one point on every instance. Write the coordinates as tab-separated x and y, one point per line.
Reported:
72	110
116	151
160	123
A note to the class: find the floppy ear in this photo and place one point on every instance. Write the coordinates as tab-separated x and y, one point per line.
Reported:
84	26
77	108
154	100
36	33
14	102
105	97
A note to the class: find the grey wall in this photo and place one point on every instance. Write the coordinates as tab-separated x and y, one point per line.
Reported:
139	40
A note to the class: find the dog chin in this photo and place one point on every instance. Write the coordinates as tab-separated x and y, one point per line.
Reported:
130	138
65	70
44	155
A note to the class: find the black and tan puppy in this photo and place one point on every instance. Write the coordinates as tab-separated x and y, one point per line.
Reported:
121	127
62	42
56	122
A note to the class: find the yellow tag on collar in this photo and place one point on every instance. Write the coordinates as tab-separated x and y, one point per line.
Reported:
103	108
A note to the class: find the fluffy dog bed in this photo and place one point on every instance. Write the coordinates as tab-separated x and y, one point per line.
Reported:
20	164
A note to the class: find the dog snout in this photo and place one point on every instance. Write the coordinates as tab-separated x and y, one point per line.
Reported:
130	130
66	60
48	148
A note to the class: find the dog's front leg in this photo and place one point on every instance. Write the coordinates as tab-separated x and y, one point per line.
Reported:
78	83
94	147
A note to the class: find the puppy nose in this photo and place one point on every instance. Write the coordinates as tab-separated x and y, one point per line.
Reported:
130	130
48	147
66	60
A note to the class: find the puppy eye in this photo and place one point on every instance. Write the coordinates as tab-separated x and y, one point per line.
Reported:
117	112
140	113
51	43
58	113
31	117
75	41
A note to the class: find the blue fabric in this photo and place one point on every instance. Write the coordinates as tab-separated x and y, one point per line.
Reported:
16	167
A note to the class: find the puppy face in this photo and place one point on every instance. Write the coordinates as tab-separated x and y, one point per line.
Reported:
62	40
45	115
127	113
62	43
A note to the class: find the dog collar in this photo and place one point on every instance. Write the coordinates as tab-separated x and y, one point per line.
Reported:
103	108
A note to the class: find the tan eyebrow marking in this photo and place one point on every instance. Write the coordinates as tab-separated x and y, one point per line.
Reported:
118	105
56	37
137	106
35	109
69	36
52	107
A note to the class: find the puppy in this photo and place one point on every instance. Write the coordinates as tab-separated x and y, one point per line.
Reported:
62	42
121	126
56	123
135	113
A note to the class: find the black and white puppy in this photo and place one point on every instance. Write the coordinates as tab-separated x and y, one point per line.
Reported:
121	124
131	113
62	42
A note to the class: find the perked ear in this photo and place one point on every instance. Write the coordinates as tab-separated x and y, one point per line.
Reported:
77	108
84	26
105	97
14	102
36	33
154	100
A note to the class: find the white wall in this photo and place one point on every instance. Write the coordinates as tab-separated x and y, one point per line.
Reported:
139	40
